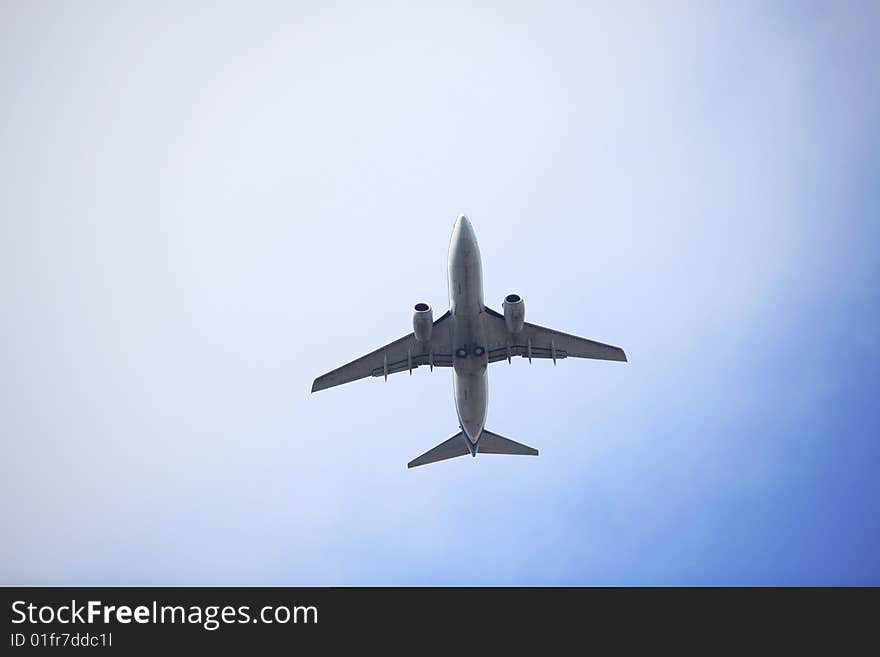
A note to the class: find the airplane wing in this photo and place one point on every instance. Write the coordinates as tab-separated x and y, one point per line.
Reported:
538	342
402	355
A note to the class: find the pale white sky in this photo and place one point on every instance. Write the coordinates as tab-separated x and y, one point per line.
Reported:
204	208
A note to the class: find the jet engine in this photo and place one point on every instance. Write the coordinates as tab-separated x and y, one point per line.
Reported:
423	322
514	312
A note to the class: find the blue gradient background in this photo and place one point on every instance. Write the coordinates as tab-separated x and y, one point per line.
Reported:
203	208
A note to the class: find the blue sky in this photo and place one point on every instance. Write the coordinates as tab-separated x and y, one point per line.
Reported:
204	208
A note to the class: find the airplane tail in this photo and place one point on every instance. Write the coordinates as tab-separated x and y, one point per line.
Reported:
489	443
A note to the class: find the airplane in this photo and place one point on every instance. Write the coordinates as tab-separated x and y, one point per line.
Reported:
468	338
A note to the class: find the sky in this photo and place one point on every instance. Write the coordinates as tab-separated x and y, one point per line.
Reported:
204	207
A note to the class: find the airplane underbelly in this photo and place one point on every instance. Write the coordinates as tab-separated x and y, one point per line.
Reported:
465	276
471	402
466	293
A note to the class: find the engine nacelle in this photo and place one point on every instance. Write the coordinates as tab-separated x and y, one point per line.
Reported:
514	312
423	322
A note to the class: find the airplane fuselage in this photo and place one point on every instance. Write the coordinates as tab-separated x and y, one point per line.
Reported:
470	359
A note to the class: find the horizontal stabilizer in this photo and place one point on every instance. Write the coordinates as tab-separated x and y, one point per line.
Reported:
489	443
492	443
448	449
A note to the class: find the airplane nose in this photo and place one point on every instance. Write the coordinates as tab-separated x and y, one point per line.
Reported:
463	243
